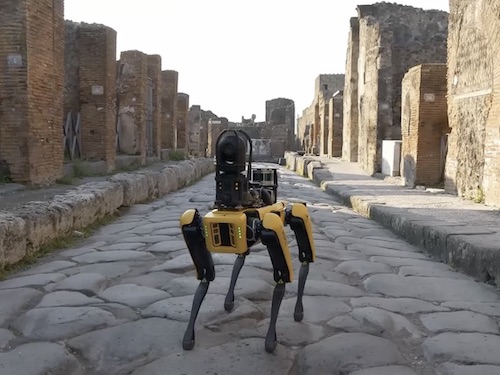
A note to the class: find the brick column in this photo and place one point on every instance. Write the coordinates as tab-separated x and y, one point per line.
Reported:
215	127
181	116
97	85
132	101
194	130
169	86
31	89
154	72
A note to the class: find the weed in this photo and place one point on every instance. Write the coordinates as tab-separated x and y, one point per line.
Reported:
176	156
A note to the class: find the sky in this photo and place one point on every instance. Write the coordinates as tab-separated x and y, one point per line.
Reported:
233	55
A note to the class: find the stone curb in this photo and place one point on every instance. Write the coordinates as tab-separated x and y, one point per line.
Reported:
25	230
463	248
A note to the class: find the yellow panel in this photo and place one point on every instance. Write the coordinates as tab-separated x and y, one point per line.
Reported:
225	231
300	210
273	222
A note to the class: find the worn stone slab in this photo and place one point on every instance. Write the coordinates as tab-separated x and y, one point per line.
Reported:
327	288
244	357
133	295
78	251
386	370
124	246
18	300
168	246
429	288
50	267
399	262
86	283
316	308
340	255
380	251
111	350
157	280
109	270
55	323
347	323
486	308
39	358
113	256
32	280
459	321
346	352
65	298
432	272
148	239
454	369
6	337
184	262
362	268
397	305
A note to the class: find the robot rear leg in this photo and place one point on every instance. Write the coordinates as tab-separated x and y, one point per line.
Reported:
238	265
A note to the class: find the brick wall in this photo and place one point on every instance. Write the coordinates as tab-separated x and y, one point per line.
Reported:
215	127
132	101
182	109
392	38
31	88
282	111
335	125
473	161
154	73
198	130
170	79
350	107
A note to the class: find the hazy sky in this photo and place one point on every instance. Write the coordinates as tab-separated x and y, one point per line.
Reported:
233	55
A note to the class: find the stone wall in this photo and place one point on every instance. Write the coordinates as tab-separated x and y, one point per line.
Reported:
335	125
392	38
215	127
282	111
473	161
31	89
424	125
198	130
154	73
182	108
350	107
305	124
169	87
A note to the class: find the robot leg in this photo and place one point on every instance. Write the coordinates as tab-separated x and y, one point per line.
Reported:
205	271
300	222
273	236
238	265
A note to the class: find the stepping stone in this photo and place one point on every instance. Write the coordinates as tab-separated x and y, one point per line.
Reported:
133	295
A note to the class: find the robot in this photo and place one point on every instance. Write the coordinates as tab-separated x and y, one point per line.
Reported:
246	212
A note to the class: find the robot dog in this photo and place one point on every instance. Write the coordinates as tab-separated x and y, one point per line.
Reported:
245	213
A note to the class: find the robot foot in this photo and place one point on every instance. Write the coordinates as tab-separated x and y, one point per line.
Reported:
189	340
238	265
298	314
271	338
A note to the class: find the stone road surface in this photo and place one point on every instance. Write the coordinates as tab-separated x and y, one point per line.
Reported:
119	303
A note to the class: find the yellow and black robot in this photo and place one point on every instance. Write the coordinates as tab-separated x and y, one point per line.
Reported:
246	212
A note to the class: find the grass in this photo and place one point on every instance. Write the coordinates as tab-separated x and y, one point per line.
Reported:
61	243
176	156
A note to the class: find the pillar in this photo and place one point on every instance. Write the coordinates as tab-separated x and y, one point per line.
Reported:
154	73
170	79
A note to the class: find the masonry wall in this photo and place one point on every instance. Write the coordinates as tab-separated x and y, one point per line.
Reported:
31	89
215	127
154	73
335	126
350	106
169	87
282	111
473	161
393	38
181	134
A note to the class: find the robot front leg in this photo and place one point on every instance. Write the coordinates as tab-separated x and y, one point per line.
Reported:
205	271
300	222
238	265
273	236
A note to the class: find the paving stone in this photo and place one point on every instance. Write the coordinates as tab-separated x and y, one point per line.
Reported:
184	262
18	300
86	283
168	246
362	268
429	288
6	337
387	370
380	251
112	351
55	323
133	295
32	280
347	323
109	270
124	246
487	308
151	227
246	272
166	232
116	228
397	305
64	298
152	280
327	288
39	358
473	348
148	239
120	312
50	267
459	321
399	262
340	255
386	244
346	352
245	357
454	369
392	323
432	272
113	256
75	252
316	308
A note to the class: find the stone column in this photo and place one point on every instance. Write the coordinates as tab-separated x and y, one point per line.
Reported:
194	125
154	72
169	86
181	124
215	127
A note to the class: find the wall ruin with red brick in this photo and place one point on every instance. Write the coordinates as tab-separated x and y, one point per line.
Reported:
169	87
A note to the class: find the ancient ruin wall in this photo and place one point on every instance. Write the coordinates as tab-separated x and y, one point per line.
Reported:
154	73
282	111
473	161
169	87
31	89
350	107
393	38
181	134
335	125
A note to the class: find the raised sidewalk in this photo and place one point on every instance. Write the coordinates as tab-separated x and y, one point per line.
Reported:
464	234
26	228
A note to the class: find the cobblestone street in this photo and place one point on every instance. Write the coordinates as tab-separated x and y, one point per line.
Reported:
119	303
